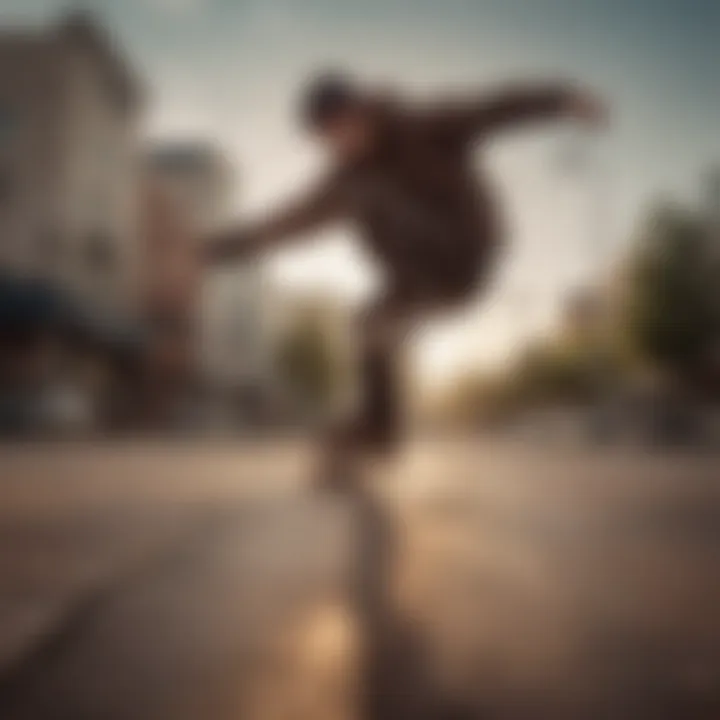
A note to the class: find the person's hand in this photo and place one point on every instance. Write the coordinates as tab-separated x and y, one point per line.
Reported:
588	108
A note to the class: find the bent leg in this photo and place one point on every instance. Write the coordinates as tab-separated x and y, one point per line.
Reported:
382	331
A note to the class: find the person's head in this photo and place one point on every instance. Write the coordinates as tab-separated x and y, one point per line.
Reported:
336	111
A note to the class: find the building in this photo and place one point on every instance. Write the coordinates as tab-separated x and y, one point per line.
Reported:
170	306
196	176
69	108
233	334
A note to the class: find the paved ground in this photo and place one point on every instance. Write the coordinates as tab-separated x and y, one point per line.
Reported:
488	580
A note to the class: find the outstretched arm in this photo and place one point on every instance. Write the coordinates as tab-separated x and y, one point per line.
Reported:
317	208
469	119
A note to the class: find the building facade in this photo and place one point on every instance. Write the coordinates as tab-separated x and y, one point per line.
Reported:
69	107
233	343
171	277
69	247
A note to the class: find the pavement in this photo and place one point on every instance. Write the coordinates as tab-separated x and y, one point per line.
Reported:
470	579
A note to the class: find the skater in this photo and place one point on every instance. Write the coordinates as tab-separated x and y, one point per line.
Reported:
402	173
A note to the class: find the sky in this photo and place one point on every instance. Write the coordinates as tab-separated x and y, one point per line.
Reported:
230	70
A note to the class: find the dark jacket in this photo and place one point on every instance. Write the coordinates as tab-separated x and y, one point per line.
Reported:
419	203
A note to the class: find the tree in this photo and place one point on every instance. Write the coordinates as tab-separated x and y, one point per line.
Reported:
310	359
672	312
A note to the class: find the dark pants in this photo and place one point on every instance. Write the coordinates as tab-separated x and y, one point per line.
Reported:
383	329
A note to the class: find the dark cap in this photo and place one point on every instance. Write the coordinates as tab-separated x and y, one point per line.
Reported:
327	96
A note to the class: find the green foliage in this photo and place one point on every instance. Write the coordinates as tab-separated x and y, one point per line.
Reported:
667	319
309	360
672	314
552	372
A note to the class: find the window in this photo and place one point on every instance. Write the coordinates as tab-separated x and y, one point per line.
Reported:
100	252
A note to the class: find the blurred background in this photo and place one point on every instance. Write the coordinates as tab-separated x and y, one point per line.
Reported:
553	526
